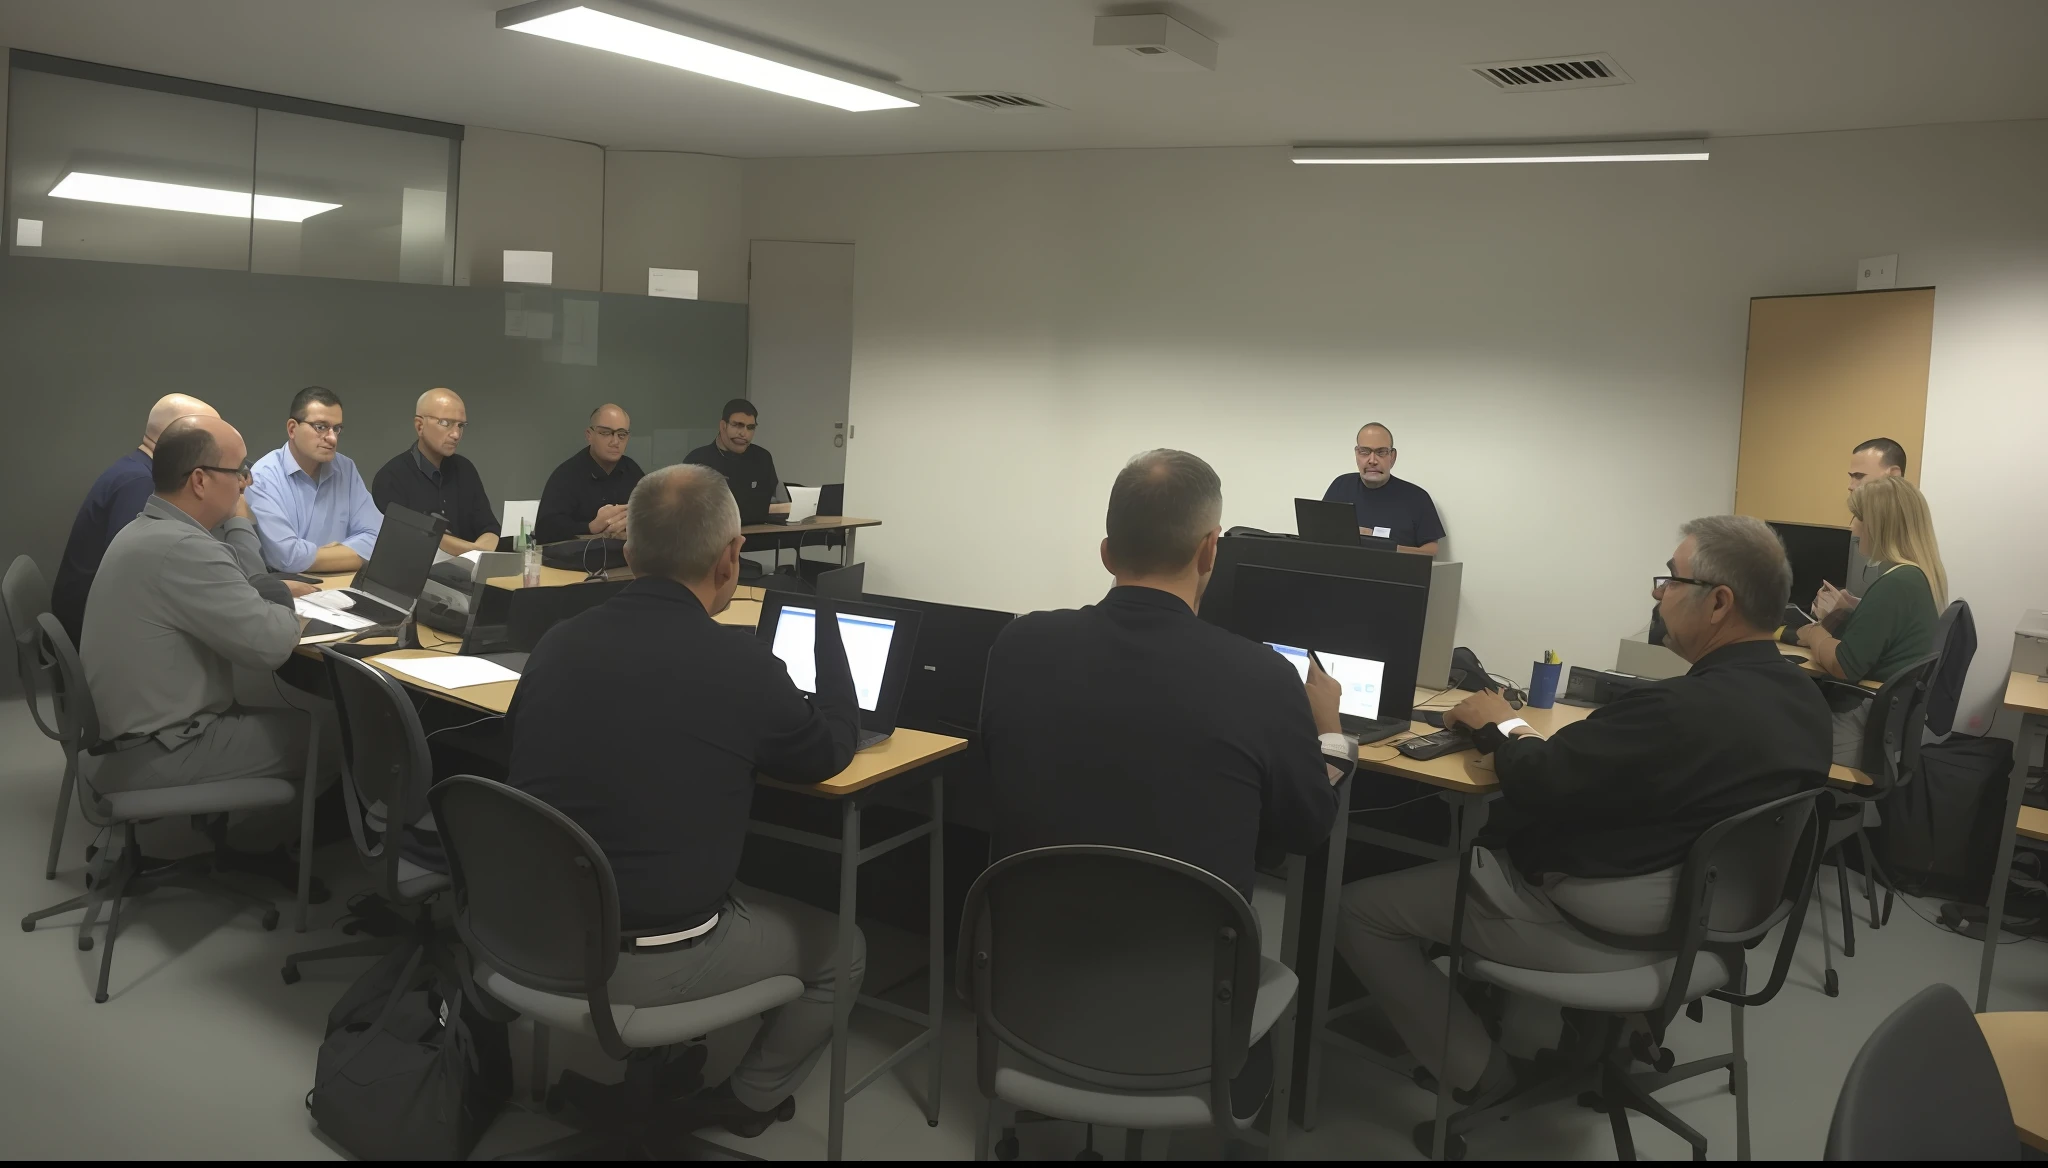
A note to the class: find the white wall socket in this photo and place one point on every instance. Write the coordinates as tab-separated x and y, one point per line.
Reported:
1877	272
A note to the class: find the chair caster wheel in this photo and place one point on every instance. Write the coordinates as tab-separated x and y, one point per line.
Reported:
99	999
28	926
1006	1148
290	974
931	1123
1832	985
270	920
85	944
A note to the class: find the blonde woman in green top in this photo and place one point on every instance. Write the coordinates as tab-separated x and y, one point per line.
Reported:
1892	624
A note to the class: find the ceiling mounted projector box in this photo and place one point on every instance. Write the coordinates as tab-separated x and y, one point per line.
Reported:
1157	41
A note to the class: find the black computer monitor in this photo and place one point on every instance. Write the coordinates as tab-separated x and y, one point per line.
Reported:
943	694
1817	553
1235	552
842	583
1375	626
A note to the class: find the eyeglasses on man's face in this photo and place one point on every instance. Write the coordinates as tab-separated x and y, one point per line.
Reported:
240	472
1658	583
1373	451
606	432
321	428
452	425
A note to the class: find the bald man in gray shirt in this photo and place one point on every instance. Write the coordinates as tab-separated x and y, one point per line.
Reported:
173	612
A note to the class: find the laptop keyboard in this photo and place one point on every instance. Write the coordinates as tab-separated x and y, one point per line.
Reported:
870	738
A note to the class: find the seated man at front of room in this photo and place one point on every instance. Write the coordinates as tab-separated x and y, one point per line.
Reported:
586	496
1597	819
1388	508
313	512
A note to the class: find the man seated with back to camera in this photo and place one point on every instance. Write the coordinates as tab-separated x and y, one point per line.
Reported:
1136	724
690	710
1597	819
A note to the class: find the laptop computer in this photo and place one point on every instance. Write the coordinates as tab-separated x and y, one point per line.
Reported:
1333	521
879	640
386	589
843	583
950	664
1358	707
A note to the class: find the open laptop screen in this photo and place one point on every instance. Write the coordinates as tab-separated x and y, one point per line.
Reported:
1360	678
867	640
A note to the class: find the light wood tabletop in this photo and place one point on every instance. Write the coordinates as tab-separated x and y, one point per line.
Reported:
2033	823
2026	693
2019	1044
814	523
1471	772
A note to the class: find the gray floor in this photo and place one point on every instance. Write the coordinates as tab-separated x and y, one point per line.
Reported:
203	1052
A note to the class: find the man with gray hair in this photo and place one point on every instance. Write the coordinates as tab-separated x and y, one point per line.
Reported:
691	711
1596	820
1134	723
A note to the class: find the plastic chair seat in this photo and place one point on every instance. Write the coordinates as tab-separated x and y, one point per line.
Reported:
1620	991
649	1026
1025	1084
199	798
416	883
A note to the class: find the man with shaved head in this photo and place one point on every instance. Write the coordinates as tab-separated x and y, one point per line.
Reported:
430	478
586	496
116	498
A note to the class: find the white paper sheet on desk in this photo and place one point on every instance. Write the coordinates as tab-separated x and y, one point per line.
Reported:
803	503
311	608
450	672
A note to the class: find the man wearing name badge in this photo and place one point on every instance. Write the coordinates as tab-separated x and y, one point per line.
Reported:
114	501
748	468
1387	507
430	478
586	496
313	512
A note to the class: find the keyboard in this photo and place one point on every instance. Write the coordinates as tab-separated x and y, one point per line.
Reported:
870	738
1443	742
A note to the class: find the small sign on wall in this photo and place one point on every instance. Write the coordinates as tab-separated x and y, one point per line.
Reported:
529	267
1877	272
676	283
29	233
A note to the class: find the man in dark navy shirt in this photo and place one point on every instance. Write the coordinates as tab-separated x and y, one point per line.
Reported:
1387	507
586	496
749	469
116	497
430	478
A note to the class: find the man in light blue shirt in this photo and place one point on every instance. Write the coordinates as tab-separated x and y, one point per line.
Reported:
313	512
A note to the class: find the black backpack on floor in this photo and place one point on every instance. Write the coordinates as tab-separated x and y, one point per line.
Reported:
1939	835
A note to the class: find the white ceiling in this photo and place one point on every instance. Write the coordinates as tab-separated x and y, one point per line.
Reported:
1288	70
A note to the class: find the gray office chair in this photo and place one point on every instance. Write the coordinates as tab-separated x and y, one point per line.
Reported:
1924	1087
25	597
1892	734
1117	987
1741	879
537	907
386	772
119	874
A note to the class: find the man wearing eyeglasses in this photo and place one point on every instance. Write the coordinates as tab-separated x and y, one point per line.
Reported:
312	510
430	478
1387	507
586	496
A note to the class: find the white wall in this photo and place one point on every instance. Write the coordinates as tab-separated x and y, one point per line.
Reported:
527	192
668	210
1559	351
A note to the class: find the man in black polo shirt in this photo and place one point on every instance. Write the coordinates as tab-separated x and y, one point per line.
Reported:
690	710
430	478
1387	507
587	495
1135	723
750	469
1597	819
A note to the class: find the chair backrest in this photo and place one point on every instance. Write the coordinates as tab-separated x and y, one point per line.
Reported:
534	896
78	721
1924	1087
24	597
1119	968
516	510
1955	642
388	766
1894	724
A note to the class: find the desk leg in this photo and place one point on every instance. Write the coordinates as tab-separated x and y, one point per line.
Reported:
1326	949
846	549
307	794
936	1004
842	993
2031	732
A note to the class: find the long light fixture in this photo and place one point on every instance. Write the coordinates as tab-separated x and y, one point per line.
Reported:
1668	150
136	192
632	31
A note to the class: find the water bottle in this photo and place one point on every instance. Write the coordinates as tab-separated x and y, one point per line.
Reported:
529	564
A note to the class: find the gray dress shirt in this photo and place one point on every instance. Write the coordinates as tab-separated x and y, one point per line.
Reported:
172	612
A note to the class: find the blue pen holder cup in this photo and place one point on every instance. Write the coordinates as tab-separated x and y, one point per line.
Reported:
1543	684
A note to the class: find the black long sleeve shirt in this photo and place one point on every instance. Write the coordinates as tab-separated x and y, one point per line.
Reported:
644	720
1628	790
574	493
1136	724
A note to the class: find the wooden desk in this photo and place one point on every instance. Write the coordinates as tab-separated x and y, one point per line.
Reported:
2019	1044
2027	695
844	525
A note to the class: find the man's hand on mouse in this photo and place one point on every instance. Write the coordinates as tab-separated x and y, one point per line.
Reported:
1486	706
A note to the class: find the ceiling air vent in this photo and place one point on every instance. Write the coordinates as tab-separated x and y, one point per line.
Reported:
1576	72
998	101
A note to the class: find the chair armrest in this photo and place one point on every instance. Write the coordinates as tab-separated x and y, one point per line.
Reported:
1847	687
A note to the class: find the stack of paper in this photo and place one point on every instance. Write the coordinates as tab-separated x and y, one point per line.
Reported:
451	671
311	608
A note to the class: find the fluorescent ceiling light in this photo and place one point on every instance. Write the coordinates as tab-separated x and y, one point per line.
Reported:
136	192
1670	150
668	40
